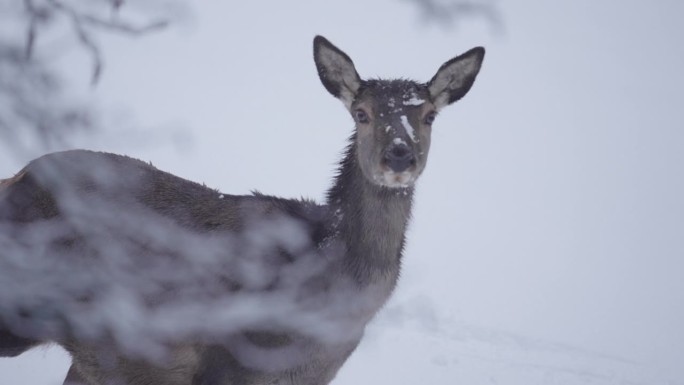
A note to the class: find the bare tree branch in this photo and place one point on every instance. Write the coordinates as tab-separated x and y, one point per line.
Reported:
118	26
110	25
35	112
85	39
81	21
452	12
33	25
116	4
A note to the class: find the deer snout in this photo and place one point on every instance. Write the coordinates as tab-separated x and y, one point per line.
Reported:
399	157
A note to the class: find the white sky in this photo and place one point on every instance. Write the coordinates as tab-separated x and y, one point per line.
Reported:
552	203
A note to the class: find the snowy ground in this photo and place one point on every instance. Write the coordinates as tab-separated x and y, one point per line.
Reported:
412	342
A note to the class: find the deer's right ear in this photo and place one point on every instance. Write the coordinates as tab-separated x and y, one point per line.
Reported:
336	71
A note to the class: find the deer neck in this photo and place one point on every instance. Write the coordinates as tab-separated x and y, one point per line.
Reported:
369	220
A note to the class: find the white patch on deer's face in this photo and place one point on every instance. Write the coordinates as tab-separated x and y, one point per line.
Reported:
395	179
409	128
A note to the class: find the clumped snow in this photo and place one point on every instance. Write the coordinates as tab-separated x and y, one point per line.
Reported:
398	141
413	101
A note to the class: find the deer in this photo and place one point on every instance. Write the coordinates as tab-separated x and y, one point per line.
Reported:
293	283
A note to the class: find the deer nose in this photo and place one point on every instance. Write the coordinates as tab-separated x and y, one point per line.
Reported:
399	157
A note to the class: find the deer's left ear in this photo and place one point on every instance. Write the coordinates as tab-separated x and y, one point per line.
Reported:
455	77
336	70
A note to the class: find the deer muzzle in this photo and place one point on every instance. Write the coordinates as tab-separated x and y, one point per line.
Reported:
399	157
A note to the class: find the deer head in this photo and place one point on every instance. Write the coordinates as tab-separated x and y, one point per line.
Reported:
393	117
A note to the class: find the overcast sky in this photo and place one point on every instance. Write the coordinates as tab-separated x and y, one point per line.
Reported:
552	204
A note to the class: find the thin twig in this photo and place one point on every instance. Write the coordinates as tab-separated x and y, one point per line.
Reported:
118	26
93	48
116	4
32	28
80	23
451	12
83	37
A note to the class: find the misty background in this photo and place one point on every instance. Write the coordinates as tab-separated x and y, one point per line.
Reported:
547	243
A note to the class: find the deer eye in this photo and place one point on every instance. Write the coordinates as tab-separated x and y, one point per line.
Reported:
361	116
429	118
